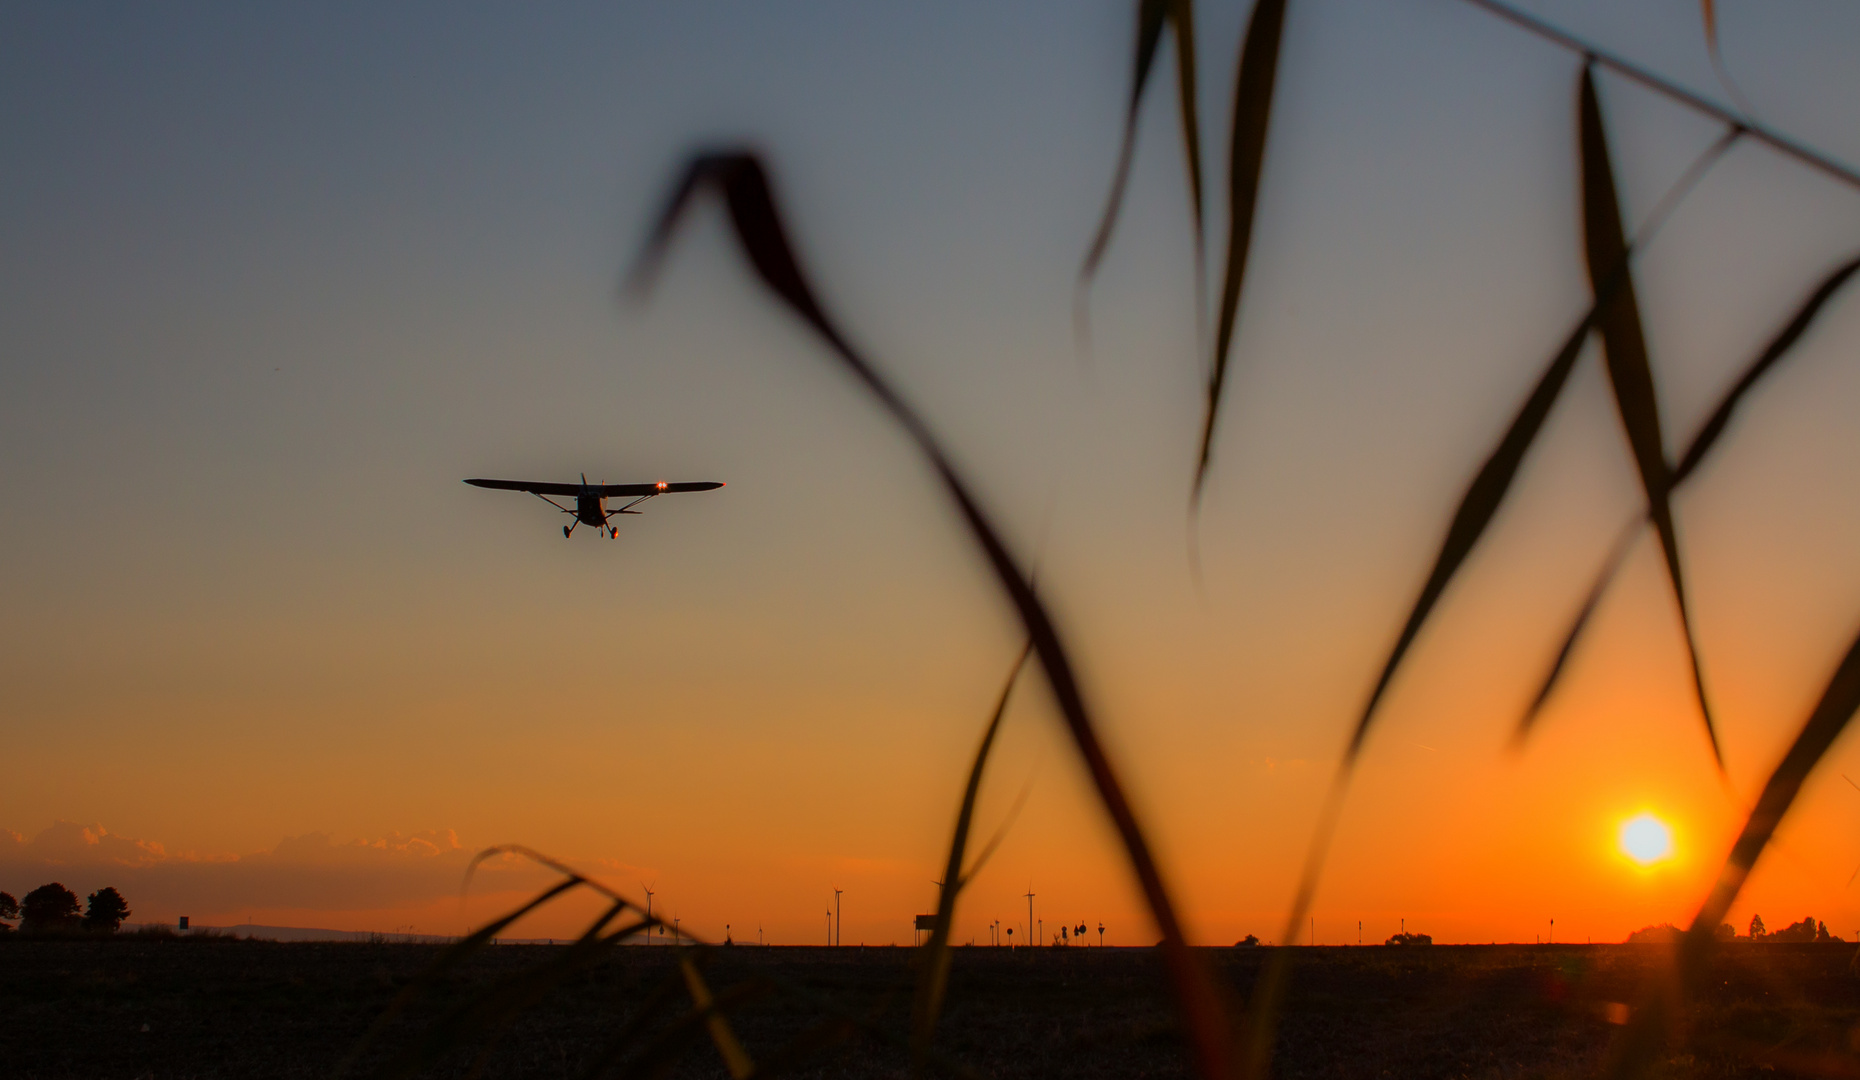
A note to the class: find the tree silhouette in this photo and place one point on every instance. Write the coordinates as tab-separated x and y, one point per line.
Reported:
105	911
1757	929
9	909
49	908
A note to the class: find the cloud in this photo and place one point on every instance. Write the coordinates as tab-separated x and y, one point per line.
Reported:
309	872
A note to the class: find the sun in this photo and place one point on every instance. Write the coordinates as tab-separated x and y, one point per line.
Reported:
1646	839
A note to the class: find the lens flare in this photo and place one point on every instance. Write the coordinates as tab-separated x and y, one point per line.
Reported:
1646	839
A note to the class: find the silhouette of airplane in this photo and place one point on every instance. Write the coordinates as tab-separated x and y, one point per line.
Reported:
591	499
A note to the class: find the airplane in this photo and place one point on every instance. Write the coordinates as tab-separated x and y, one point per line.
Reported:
591	499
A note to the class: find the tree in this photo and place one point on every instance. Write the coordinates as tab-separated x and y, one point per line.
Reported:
1797	931
1756	928
105	911
9	909
49	908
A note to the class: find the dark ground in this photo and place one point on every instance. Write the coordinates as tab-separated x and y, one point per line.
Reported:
128	1009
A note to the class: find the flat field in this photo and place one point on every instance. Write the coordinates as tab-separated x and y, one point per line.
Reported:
130	1009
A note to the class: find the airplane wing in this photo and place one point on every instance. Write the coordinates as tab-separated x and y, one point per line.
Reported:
539	487
660	488
534	487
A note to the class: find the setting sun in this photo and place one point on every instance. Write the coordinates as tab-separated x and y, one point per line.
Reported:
1646	839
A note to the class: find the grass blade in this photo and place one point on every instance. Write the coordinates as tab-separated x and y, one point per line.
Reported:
454	955
1630	375
1635	1049
1476	510
739	177
1610	567
735	1058
1259	66
1701	445
933	972
1708	15
487	1013
1152	17
1777	348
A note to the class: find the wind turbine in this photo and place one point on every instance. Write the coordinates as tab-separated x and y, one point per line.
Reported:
836	916
648	913
1030	940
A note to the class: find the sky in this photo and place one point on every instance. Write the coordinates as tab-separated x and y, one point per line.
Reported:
274	279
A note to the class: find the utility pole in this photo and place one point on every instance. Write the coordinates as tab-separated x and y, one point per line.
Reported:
1359	931
1030	912
1552	931
1313	930
837	940
648	915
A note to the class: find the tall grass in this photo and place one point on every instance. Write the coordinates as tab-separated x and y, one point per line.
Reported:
1223	1045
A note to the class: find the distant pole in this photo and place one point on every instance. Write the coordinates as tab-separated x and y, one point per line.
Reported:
1553	931
829	927
648	915
1314	929
1359	931
837	940
1030	913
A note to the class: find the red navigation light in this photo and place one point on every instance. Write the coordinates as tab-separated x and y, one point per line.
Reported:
661	485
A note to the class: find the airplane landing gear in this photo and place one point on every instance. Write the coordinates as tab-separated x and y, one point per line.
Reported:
567	530
613	533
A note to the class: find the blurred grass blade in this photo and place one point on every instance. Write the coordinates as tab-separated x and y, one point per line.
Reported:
739	177
1476	510
1708	15
657	1056
1478	506
735	1058
453	955
933	969
1778	347
1259	65
486	1013
655	1003
1635	1049
1625	346
988	849
1152	17
1702	444
1617	554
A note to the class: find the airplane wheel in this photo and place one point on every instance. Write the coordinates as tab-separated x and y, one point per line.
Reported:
565	531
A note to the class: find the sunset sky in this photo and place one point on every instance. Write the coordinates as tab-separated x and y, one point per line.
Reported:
274	279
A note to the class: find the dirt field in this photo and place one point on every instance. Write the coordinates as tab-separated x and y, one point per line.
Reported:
177	1010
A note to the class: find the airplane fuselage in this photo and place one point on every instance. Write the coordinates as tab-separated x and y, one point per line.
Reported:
590	507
